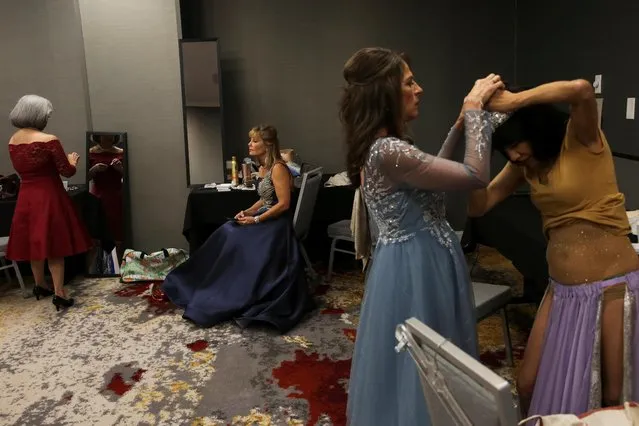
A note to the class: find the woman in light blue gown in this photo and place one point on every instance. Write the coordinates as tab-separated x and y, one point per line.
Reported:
419	268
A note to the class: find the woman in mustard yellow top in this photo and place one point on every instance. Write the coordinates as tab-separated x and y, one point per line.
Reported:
581	351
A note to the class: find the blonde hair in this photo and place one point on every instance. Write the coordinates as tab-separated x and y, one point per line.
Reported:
268	134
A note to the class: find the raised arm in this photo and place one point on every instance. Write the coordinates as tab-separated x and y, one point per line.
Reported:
406	164
62	164
455	134
578	93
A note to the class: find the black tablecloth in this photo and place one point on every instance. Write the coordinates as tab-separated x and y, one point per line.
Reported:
91	213
207	209
514	228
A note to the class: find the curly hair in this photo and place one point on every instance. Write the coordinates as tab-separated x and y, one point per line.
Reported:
371	101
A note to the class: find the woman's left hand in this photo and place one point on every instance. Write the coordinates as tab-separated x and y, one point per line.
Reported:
246	220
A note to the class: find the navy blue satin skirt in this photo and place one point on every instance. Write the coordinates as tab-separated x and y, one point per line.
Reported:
249	274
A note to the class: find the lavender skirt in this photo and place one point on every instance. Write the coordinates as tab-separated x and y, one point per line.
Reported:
569	376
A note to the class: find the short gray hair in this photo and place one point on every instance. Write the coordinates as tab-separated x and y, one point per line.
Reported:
31	111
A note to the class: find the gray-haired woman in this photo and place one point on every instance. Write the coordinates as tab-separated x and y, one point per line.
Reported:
45	223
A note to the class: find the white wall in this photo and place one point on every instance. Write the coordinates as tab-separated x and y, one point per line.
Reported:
42	53
134	86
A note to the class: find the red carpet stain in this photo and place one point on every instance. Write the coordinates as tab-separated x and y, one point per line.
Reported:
332	311
350	333
159	306
157	302
133	290
198	345
118	386
321	382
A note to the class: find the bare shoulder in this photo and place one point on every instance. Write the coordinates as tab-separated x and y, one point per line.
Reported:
25	136
280	168
43	137
280	173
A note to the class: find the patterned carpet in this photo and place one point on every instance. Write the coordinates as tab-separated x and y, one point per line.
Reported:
120	357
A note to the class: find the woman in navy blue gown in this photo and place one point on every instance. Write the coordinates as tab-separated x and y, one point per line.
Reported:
250	269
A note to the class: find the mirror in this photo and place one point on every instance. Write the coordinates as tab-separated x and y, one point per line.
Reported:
202	111
107	177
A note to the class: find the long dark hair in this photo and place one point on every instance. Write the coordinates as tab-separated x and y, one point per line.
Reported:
543	126
371	101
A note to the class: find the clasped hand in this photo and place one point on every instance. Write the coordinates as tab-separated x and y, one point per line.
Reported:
243	219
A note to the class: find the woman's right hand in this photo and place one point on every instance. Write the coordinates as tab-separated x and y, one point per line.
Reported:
240	215
481	92
73	158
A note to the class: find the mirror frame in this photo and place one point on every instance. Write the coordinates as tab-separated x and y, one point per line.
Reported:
126	194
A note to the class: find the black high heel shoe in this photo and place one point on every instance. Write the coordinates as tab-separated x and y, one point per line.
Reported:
61	302
39	292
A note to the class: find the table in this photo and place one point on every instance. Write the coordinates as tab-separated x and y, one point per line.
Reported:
90	211
208	209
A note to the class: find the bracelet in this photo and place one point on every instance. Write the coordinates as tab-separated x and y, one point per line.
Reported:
256	219
469	99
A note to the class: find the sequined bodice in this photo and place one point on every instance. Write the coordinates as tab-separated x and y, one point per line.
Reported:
400	211
266	190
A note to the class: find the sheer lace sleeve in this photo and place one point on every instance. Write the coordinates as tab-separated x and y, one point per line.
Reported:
455	134
60	159
448	147
406	164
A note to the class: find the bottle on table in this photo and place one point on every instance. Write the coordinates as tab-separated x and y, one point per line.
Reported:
233	171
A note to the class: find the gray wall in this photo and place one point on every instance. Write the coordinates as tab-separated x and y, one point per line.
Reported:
580	39
42	53
282	63
134	86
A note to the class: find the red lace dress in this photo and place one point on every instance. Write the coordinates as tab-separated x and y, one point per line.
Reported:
45	223
107	186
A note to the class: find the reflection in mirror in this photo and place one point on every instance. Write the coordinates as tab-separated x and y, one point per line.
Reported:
107	176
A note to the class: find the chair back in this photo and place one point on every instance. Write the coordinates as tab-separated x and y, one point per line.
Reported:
307	167
459	390
311	184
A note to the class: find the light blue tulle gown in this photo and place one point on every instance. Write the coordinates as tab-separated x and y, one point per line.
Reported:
418	269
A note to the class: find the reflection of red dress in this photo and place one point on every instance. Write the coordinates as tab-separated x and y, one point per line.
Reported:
107	186
45	223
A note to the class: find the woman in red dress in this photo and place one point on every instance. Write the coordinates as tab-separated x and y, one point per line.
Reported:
45	223
105	172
